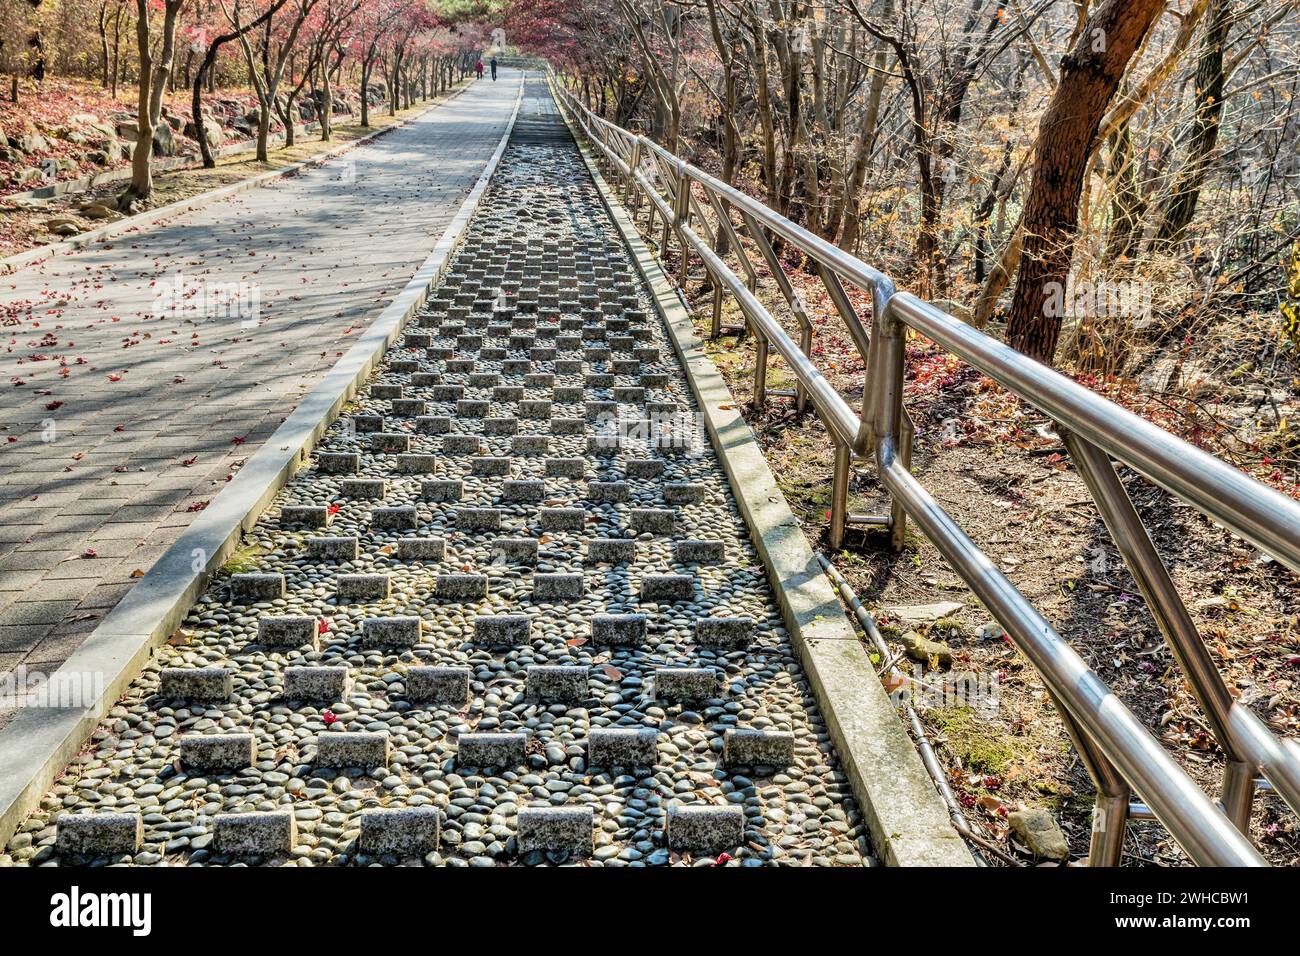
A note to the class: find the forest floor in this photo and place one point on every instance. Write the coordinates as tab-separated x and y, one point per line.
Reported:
23	223
992	462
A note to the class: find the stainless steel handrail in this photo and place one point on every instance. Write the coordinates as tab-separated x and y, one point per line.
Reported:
1121	754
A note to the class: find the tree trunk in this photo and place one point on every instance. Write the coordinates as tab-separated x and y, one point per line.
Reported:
286	117
327	101
207	69
394	88
1128	205
1180	205
365	95
103	44
152	82
141	178
117	51
1089	76
264	134
866	141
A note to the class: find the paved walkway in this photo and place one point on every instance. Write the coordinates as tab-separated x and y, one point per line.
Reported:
498	620
138	374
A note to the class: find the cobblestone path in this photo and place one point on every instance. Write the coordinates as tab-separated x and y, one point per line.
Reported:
499	620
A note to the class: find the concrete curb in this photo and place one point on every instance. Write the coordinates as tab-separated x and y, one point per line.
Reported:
40	741
908	820
149	218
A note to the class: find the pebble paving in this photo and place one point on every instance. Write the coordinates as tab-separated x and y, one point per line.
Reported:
497	621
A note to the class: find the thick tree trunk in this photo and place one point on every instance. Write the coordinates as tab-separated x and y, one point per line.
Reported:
263	132
152	82
1089	76
394	85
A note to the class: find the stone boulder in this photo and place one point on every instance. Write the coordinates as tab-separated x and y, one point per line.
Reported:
164	141
32	142
114	151
98	209
924	613
1037	829
63	225
28	174
211	130
86	128
923	649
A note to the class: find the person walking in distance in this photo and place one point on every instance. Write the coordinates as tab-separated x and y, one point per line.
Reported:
494	68
478	68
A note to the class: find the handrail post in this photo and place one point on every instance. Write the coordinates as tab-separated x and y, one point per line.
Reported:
897	513
1110	807
1167	607
672	189
883	397
634	163
840	475
682	214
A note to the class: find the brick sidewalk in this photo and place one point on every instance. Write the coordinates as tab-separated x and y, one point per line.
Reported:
142	372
